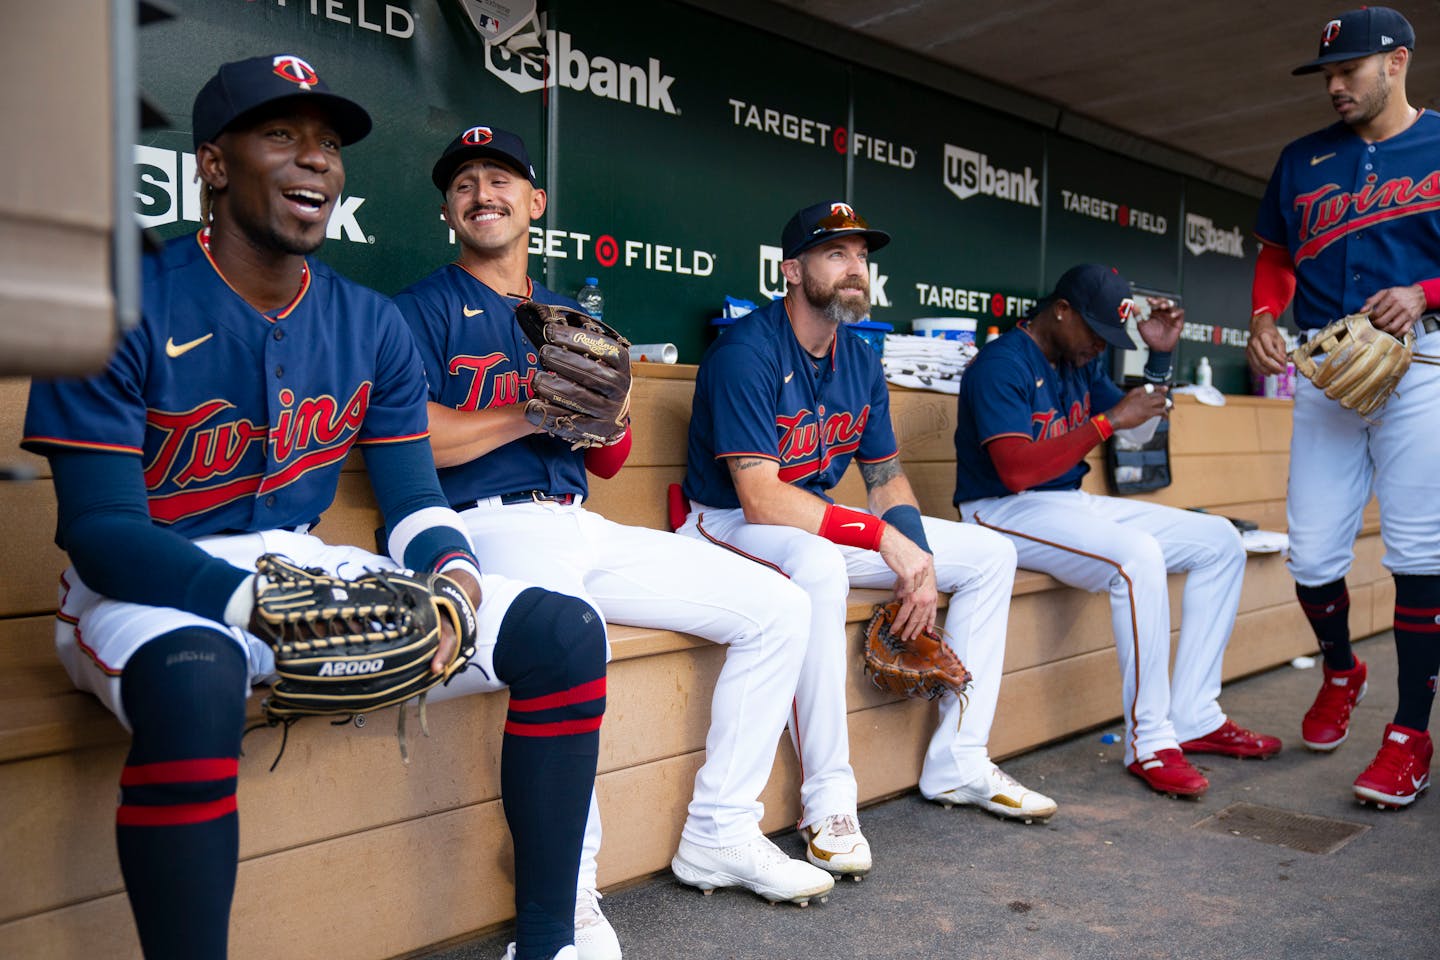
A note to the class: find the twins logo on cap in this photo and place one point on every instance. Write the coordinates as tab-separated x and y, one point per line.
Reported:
297	71
477	136
843	210
1330	33
1124	309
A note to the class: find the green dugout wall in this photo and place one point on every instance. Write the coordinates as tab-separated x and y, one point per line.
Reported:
674	143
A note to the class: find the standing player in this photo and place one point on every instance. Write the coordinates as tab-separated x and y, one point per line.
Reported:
1349	224
217	434
1025	425
783	402
520	491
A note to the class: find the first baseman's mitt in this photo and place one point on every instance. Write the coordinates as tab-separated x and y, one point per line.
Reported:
924	667
582	392
1361	365
345	647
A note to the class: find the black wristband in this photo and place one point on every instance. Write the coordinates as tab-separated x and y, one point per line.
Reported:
908	521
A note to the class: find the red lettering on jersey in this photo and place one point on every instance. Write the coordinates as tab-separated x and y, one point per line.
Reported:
1323	210
217	451
798	439
477	368
176	428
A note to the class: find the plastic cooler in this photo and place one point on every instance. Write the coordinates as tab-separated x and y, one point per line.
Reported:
946	328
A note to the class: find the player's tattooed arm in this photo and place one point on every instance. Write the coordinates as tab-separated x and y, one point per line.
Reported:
766	498
879	474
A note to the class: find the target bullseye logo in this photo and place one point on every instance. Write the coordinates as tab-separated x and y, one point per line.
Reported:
607	250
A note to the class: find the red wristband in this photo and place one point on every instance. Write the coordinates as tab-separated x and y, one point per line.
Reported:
1102	423
1432	293
852	528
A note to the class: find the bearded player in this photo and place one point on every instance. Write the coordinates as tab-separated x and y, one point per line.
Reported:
217	434
783	402
513	483
1350	224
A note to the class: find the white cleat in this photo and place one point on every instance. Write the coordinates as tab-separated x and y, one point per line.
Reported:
1002	795
566	953
756	865
837	845
594	937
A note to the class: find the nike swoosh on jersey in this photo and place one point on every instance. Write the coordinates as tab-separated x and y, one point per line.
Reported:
1321	159
173	349
471	313
789	376
1040	383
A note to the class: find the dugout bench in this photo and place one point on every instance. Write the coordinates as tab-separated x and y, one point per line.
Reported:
341	812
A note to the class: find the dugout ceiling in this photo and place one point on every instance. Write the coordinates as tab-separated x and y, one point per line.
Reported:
676	138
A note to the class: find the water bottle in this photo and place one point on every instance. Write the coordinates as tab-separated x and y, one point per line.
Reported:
992	333
1203	374
591	299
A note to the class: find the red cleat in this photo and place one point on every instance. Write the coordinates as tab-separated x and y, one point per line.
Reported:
1327	723
1400	772
1167	771
1233	740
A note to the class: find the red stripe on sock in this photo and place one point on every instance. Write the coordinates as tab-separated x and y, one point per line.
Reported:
561	728
1317	610
179	814
593	690
1429	613
180	771
1417	627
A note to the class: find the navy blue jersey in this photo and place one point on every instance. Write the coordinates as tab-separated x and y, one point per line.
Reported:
241	419
1356	217
476	358
1011	390
759	394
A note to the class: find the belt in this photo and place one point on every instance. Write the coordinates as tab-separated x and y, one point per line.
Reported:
520	496
1429	323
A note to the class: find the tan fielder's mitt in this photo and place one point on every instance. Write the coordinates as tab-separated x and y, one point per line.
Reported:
582	392
924	667
1360	367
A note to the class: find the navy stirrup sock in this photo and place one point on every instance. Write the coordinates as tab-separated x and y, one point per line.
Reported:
176	828
551	651
1328	610
1417	647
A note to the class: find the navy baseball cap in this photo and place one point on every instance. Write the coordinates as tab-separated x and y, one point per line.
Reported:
825	221
1100	295
1360	33
482	141
241	88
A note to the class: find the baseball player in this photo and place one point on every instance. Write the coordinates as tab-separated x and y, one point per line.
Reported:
520	493
783	402
1032	405
1349	223
217	434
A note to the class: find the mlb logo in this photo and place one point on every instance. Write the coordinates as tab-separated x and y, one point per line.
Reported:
772	281
489	24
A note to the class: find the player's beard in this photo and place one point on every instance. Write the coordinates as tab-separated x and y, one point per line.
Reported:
847	301
1370	103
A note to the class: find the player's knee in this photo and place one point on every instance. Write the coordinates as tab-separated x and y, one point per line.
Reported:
818	567
1142	563
550	643
184	695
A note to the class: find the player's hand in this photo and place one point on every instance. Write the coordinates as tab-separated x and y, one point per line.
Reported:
448	641
914	582
1161	329
1266	349
1137	406
1395	309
